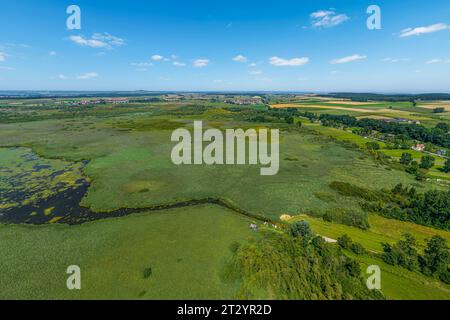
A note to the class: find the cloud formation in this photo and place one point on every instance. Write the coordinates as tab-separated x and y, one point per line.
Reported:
98	40
409	32
87	76
141	66
295	62
179	64
327	19
395	60
201	63
157	57
348	59
2	56
240	58
436	61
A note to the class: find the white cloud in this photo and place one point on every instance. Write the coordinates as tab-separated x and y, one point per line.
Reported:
63	77
2	56
327	18
436	61
157	57
179	64
7	68
240	58
98	40
348	59
201	63
253	65
256	72
142	64
409	32
111	40
52	53
295	62
87	76
395	60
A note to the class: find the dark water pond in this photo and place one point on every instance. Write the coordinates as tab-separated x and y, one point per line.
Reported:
66	208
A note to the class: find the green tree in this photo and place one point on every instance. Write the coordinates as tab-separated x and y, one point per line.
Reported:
413	168
289	120
301	229
406	159
443	126
446	168
427	162
344	241
403	253
373	146
421	175
439	110
357	248
436	256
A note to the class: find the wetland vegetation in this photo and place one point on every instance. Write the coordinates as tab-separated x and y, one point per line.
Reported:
87	184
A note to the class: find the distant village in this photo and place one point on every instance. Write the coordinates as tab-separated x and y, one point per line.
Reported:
97	101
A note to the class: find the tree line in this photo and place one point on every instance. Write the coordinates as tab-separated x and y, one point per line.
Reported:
438	135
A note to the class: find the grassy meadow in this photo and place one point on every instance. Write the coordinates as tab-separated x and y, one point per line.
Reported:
185	249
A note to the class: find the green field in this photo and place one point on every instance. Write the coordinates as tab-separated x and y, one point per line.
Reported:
401	284
397	283
341	135
132	168
381	230
186	250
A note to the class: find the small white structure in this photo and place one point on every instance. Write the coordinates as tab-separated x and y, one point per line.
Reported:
419	147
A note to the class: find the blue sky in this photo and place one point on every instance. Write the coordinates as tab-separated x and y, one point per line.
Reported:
225	45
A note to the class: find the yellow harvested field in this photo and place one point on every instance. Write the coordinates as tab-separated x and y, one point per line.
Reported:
352	103
385	112
439	104
374	117
281	106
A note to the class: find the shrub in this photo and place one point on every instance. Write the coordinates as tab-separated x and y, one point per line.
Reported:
427	162
373	146
348	217
344	241
148	273
349	190
406	158
357	248
301	229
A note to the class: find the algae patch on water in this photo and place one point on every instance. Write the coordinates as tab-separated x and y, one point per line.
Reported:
27	181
